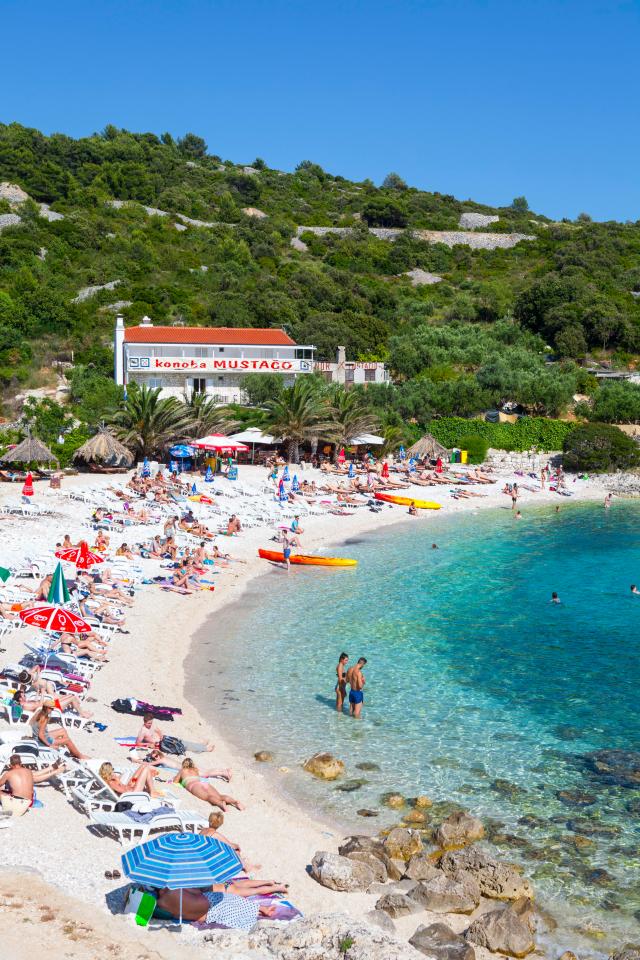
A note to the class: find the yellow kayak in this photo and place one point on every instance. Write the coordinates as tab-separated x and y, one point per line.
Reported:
408	501
278	557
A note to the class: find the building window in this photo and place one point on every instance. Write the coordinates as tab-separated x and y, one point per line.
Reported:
369	376
154	382
201	352
199	385
349	374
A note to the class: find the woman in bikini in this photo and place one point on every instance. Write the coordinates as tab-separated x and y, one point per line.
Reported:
341	685
52	736
141	780
191	779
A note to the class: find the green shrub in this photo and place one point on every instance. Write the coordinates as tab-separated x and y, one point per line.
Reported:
527	432
600	448
476	447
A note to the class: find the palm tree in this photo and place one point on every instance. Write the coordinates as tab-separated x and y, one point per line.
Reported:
352	417
207	417
145	423
300	413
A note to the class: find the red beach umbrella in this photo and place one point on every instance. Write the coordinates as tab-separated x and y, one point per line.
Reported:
80	555
27	490
341	455
385	470
54	618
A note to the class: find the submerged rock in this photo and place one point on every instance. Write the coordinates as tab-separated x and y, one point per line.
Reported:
263	756
414	816
350	786
340	873
630	951
324	766
367	813
576	798
592	828
394	800
458	830
618	767
367	765
508	789
439	942
498	881
502	931
422	802
565	731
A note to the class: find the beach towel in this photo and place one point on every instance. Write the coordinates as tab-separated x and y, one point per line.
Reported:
138	708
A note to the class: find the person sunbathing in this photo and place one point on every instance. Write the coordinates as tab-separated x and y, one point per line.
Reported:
63	701
124	551
216	820
207	907
50	735
103	612
140	780
16	785
150	735
41	592
234	526
180	581
81	645
195	783
102	542
67	543
6	613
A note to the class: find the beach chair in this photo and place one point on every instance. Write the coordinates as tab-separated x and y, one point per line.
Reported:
128	830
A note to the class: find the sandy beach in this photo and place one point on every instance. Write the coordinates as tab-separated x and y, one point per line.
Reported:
153	662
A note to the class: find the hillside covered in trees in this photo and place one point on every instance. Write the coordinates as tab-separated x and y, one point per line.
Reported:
503	324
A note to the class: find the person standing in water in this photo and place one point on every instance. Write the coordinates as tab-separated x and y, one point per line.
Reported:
286	549
607	501
356	681
341	683
555	598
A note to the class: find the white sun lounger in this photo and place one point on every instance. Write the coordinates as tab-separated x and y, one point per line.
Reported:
127	830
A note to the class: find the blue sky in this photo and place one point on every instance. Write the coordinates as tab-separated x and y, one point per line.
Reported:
485	99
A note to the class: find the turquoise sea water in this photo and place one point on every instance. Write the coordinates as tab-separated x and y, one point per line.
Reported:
480	692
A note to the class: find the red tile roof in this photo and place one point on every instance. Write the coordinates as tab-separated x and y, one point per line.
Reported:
248	336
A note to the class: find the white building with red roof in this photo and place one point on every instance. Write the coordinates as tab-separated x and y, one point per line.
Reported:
211	360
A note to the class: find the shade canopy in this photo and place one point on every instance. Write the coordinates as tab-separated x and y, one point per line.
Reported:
54	618
80	555
181	860
181	451
427	446
253	435
218	441
103	449
30	450
367	440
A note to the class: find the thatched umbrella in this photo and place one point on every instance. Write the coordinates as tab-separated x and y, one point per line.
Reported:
104	450
427	446
31	450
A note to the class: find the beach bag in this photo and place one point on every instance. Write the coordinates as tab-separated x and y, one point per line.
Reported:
172	745
140	905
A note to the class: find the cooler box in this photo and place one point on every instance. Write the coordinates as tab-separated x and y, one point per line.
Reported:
464	455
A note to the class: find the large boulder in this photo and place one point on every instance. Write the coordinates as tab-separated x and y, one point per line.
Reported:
499	881
377	866
340	873
324	766
439	942
458	830
402	844
502	931
329	936
421	867
378	918
443	894
630	951
397	904
362	844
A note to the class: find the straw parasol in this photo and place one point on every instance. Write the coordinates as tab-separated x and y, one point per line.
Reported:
104	450
427	446
31	450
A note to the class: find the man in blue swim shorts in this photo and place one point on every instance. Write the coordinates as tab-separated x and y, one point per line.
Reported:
355	679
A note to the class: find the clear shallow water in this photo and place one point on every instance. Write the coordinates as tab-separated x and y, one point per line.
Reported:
479	691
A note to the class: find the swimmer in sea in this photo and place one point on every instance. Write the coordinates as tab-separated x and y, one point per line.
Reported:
555	598
518	515
434	546
341	684
634	589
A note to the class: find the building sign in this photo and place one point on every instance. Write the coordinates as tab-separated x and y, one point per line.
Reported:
216	364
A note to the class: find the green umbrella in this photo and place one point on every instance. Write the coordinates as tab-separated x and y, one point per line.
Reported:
58	591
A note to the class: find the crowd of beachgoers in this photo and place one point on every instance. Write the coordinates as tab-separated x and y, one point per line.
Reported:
152	535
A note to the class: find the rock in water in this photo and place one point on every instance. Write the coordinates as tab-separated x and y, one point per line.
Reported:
263	756
397	905
402	844
414	816
422	802
502	931
324	766
439	942
629	952
442	894
618	767
499	881
364	812
340	873
458	830
421	867
394	800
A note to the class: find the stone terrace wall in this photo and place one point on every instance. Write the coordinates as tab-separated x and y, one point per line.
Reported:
528	461
470	238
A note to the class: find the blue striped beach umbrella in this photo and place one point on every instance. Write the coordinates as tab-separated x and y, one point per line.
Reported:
402	453
285	473
181	860
146	469
208	477
295	486
412	465
352	470
194	489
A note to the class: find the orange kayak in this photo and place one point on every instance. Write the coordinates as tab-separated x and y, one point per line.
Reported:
407	501
278	557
